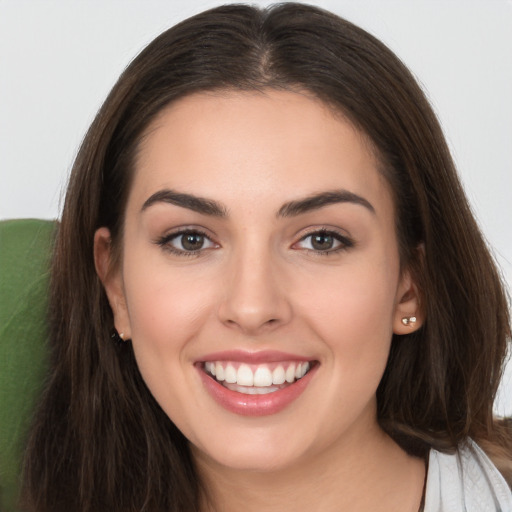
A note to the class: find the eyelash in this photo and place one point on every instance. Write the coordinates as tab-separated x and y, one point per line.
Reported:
345	243
165	242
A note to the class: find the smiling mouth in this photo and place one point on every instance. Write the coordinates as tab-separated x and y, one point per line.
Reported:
256	379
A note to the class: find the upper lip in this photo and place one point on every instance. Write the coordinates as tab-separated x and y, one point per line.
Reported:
253	357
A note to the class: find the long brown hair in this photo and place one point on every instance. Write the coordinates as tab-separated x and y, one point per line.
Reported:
100	441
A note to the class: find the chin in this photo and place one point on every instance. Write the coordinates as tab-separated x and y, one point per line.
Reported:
260	454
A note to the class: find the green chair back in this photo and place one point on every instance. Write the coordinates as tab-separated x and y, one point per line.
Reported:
25	252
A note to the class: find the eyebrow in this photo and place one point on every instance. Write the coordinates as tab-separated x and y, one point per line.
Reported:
289	209
189	201
316	201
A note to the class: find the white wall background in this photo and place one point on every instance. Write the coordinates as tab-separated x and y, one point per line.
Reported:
59	58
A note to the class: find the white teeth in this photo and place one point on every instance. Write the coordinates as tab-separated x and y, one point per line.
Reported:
230	374
219	372
278	375
244	376
266	390
290	373
262	377
251	390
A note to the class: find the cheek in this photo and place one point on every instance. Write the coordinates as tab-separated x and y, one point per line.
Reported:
165	312
352	311
162	299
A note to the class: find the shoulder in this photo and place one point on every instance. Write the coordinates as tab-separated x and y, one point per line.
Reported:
466	480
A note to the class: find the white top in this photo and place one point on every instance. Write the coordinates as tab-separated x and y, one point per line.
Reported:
466	481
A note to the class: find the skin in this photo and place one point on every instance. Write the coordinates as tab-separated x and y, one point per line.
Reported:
258	284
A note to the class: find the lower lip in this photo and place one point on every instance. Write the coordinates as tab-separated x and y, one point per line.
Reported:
255	405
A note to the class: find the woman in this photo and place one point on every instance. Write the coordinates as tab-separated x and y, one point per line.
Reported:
268	289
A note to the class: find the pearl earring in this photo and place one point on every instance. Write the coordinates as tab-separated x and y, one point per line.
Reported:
409	320
117	337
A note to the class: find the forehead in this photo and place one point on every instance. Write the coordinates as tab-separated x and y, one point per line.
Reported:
254	145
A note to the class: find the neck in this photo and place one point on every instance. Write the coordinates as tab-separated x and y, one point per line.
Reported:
357	474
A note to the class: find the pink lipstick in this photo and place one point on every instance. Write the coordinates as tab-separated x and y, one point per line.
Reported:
255	384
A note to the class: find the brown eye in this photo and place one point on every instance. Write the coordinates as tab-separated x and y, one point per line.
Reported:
191	241
322	241
187	242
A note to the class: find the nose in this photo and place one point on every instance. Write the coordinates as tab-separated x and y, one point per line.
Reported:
255	299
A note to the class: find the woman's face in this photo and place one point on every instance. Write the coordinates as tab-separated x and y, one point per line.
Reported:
259	245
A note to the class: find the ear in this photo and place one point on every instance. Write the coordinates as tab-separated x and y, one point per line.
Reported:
112	281
408	314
